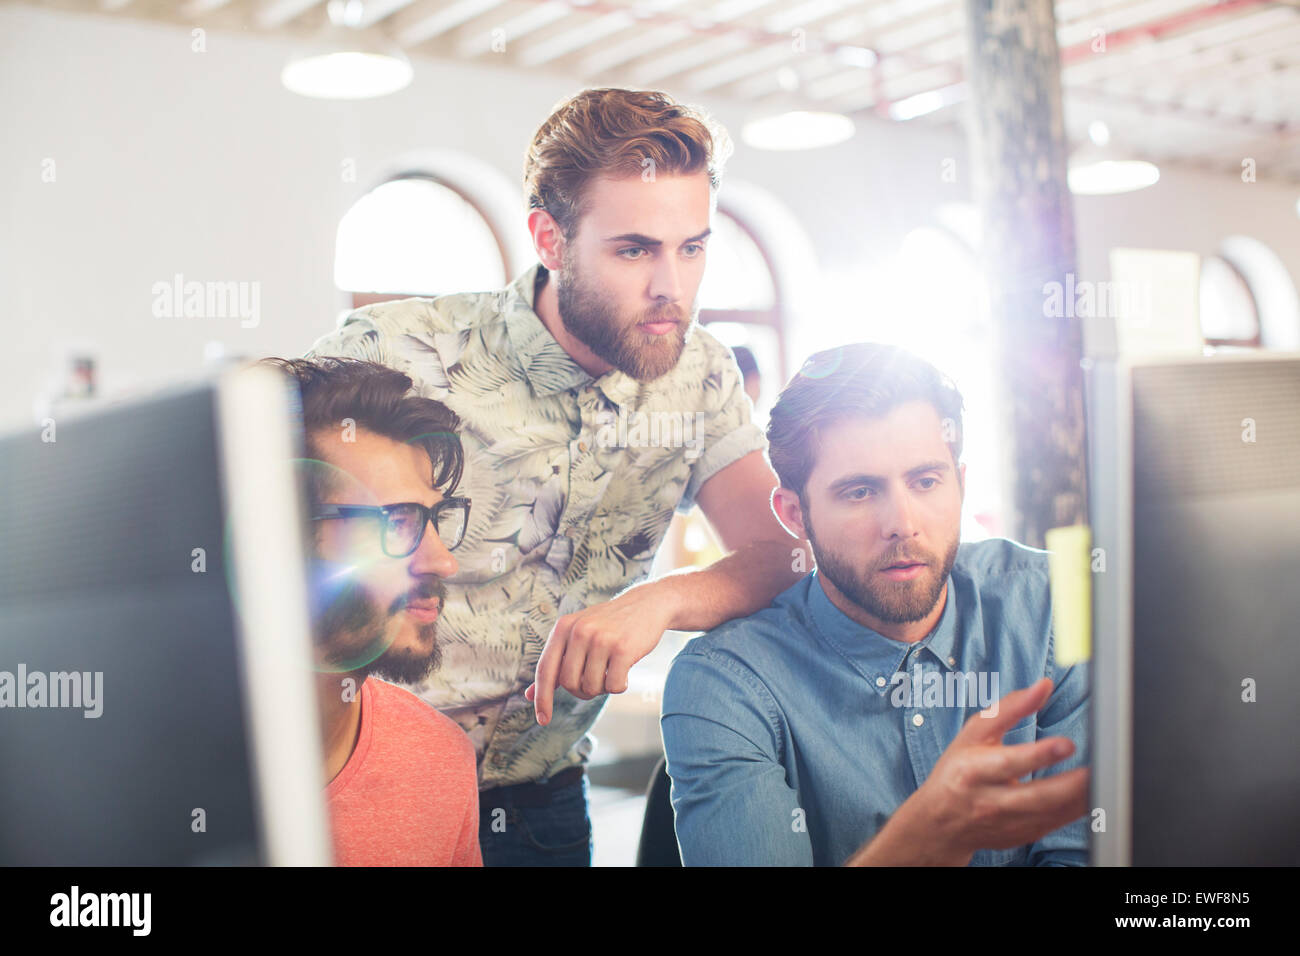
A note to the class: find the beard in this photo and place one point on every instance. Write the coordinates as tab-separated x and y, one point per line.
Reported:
894	602
354	631
587	314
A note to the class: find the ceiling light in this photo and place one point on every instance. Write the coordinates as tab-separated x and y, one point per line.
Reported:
1106	177
859	56
344	63
911	107
797	130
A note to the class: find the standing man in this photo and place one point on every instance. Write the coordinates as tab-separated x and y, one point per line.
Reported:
592	408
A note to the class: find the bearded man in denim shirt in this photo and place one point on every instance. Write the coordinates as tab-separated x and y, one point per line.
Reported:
857	720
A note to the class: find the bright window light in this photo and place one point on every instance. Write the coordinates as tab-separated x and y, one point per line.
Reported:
930	298
418	236
736	276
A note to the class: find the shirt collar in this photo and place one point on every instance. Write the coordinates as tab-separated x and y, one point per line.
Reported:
548	367
876	657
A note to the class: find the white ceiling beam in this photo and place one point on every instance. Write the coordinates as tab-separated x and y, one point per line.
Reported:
1137	14
729	10
919	33
808	72
561	44
276	13
199	8
479	40
658	35
896	12
1139	59
919	81
1193	120
687	58
375	10
413	27
765	58
820	76
842	82
803	15
634	47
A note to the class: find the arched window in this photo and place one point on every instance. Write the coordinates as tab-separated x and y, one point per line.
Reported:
738	276
1229	315
1271	290
416	235
740	300
898	301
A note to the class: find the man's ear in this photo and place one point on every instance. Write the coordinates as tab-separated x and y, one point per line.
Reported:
789	511
547	239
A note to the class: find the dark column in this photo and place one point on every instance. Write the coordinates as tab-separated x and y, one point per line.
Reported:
1019	154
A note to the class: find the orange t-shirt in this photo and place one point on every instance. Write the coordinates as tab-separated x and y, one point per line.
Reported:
408	795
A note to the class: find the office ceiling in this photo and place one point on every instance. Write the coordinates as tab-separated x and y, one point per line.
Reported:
1189	81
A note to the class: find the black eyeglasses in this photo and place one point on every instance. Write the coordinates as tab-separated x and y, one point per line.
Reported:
404	523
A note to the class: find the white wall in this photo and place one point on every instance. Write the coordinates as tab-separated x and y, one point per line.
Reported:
170	161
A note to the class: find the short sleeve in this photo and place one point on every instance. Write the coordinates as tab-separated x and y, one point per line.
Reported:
728	433
358	337
468	851
403	335
732	803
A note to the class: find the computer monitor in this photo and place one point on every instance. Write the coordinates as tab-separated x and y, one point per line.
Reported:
156	699
1195	509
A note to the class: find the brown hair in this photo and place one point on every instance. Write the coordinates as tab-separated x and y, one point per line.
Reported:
379	399
616	132
865	380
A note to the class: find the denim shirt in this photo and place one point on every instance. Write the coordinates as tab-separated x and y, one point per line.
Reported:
793	734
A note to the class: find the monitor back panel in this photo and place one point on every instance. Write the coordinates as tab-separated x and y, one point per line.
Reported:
113	563
1216	613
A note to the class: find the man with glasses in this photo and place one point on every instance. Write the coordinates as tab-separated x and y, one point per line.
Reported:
382	464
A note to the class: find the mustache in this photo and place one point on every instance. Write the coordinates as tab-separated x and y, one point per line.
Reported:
904	556
664	315
422	592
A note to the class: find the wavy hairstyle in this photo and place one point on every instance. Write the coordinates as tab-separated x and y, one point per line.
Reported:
617	132
376	398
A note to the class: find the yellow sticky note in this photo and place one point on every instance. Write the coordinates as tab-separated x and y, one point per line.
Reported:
1069	566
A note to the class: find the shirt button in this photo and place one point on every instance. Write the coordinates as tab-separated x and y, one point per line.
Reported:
952	662
880	682
917	720
545	609
582	446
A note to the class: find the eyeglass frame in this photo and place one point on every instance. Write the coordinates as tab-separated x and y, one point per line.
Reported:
381	511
